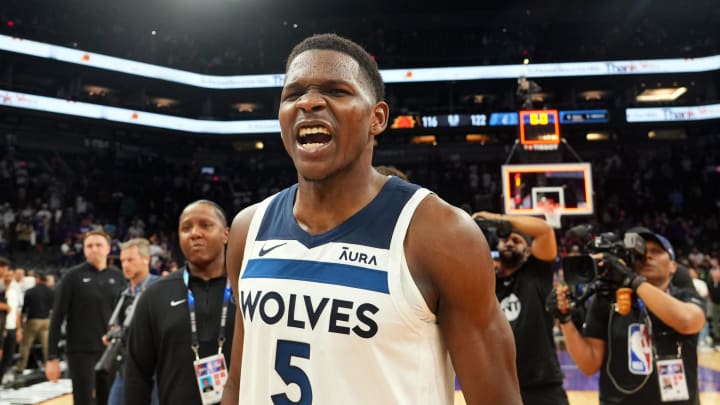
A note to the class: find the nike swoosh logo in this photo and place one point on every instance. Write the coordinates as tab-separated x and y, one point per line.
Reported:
264	251
176	303
86	280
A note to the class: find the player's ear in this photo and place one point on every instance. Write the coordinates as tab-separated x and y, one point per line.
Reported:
381	112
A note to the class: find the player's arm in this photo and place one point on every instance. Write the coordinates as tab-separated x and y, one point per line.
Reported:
544	245
233	260
587	352
450	261
685	317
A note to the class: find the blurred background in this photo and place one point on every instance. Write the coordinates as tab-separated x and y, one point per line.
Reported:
117	114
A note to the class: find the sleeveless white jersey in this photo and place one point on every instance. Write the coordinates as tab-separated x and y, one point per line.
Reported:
336	318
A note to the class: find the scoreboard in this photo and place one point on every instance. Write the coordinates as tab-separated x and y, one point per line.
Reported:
439	121
500	119
539	127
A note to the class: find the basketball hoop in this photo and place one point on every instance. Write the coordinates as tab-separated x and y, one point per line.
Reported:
552	212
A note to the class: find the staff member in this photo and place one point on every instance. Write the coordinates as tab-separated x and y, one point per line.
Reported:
164	342
86	298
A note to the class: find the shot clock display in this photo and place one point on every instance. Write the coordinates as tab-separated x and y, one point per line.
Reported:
539	127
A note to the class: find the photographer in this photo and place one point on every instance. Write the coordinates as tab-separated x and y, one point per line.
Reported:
647	356
527	251
135	261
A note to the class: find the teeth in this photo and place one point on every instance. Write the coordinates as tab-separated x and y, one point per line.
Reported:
312	145
313	130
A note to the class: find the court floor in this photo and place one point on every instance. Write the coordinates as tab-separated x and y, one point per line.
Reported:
582	390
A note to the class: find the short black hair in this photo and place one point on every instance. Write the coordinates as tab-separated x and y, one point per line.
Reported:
218	209
334	42
4	261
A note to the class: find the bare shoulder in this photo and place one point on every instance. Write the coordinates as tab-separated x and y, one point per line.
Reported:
236	240
243	218
447	251
439	229
437	219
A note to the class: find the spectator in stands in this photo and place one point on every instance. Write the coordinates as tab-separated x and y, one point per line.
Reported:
701	287
68	252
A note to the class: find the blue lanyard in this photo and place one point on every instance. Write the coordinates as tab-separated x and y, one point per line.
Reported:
193	320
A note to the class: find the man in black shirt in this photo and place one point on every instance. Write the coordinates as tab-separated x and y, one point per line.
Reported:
36	311
648	355
160	343
85	298
524	280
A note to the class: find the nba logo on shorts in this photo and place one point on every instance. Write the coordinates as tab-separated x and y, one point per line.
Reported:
639	349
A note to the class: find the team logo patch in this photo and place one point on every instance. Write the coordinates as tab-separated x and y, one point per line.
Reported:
639	349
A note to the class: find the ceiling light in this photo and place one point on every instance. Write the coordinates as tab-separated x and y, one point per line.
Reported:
597	136
93	90
661	94
667	134
591	95
478	138
424	140
246	107
164	102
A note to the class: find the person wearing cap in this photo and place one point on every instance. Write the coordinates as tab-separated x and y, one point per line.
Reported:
648	356
524	278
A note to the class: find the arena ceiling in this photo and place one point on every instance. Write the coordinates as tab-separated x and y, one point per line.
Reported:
239	37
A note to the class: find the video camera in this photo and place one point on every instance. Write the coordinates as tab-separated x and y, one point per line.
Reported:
494	230
581	271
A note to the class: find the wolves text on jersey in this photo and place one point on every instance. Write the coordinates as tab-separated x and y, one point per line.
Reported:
301	312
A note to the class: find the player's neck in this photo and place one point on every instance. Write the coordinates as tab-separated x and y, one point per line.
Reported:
322	206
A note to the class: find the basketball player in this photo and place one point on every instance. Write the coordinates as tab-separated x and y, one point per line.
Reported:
355	287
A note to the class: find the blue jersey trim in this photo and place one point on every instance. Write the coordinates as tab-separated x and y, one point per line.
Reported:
318	272
371	226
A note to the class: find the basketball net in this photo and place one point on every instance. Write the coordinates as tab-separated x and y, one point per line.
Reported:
552	214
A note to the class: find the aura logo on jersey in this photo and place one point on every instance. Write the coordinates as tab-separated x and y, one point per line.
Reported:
296	311
357	257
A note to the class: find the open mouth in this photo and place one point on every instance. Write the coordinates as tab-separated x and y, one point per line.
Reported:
313	137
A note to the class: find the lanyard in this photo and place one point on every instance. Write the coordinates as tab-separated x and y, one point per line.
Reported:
193	320
130	311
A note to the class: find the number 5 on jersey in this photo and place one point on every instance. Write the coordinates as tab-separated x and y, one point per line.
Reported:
290	374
